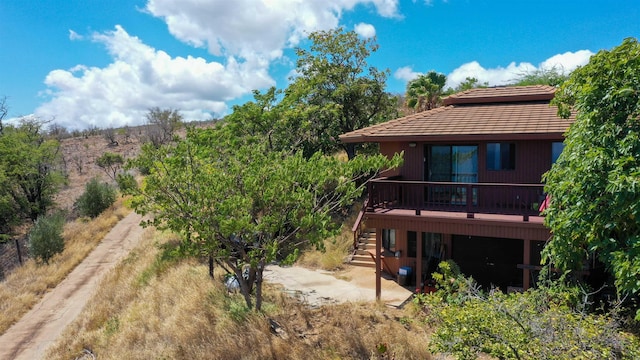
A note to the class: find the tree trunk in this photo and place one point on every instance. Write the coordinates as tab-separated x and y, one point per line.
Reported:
211	266
351	150
245	289
259	286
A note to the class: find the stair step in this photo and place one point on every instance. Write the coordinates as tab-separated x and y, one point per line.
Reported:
362	256
369	264
369	246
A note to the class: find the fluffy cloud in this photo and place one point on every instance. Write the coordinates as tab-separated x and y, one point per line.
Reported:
365	30
141	77
254	30
565	63
406	73
248	36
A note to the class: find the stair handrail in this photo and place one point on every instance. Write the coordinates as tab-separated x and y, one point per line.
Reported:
357	226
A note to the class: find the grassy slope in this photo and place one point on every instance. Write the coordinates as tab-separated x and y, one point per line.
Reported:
150	308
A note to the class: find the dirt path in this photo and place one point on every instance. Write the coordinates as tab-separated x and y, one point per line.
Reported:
40	327
30	337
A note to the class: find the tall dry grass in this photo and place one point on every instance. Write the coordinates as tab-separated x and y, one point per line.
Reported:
26	285
146	309
334	256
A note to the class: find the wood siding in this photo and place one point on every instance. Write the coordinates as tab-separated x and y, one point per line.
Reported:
533	158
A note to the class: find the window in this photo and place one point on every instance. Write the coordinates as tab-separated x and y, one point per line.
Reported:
412	244
501	156
431	245
389	239
556	149
454	163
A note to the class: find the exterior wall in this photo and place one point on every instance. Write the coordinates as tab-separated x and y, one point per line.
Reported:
413	167
533	158
527	237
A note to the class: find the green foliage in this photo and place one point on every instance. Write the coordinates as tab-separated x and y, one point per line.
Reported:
45	237
110	163
595	184
544	323
337	92
126	181
97	197
30	172
244	205
468	84
425	92
552	77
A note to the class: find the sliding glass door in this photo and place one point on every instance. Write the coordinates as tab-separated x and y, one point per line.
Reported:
451	163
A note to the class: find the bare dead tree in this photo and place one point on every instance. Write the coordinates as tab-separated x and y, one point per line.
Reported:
4	110
109	134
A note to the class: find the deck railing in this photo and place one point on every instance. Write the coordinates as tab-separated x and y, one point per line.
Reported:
357	226
472	198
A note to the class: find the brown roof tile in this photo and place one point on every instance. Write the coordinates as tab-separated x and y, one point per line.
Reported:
498	112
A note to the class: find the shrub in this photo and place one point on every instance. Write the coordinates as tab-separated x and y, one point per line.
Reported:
97	197
45	238
550	322
126	182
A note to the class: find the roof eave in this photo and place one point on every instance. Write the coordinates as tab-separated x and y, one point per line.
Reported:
454	137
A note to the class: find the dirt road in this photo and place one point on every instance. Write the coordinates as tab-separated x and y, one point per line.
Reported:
30	337
40	327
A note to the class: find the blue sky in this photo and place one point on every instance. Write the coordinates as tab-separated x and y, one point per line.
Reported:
105	63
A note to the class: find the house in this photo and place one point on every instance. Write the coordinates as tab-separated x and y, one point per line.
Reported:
470	187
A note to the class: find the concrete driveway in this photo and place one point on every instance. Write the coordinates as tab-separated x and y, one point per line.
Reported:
318	287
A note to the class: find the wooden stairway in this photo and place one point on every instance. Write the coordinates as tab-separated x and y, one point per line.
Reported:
365	248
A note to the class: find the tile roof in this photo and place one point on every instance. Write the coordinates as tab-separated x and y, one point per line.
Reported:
501	112
502	94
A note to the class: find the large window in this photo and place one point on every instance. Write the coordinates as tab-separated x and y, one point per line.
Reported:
389	239
431	245
453	163
501	156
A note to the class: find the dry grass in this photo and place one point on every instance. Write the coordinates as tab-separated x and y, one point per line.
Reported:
26	285
146	309
336	251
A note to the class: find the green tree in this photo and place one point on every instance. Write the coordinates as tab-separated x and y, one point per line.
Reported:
468	84
30	169
595	184
552	77
97	197
243	205
45	238
336	91
425	91
110	163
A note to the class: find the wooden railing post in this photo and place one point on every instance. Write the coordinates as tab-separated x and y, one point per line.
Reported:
469	201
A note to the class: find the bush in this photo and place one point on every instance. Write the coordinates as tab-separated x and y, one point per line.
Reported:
45	238
126	182
97	197
550	322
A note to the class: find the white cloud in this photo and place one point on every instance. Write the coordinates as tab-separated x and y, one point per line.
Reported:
254	30
74	35
248	35
365	30
406	73
566	63
141	77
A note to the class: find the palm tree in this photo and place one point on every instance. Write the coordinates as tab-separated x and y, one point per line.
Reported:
423	92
